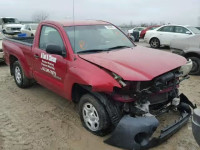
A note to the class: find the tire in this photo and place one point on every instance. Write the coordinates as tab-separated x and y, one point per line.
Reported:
196	66
20	79
154	43
93	115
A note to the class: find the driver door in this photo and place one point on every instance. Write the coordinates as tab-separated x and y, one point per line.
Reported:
50	69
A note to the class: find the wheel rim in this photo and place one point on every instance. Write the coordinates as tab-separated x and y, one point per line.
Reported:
18	75
90	116
154	43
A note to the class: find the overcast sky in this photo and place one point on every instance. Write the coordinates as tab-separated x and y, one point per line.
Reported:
115	11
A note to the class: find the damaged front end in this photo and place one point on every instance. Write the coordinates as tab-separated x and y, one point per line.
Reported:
135	133
142	102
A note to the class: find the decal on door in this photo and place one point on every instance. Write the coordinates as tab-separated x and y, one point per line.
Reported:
47	64
48	57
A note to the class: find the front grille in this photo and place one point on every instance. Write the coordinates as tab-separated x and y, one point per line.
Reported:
14	29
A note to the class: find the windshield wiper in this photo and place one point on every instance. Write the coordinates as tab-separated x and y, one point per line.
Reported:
91	51
102	50
118	47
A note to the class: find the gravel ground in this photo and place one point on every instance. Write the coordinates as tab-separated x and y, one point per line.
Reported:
36	118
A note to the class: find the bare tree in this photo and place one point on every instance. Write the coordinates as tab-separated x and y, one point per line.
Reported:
40	16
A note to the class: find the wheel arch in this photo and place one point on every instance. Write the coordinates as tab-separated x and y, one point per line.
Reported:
153	38
12	60
192	54
111	107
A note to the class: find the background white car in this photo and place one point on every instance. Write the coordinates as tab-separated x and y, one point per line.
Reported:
163	35
1	51
136	29
29	29
10	26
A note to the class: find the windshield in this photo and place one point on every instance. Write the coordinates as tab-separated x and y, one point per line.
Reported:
153	28
194	30
96	37
34	26
198	28
10	21
139	29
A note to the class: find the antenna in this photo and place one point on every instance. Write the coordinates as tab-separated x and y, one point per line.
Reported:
74	24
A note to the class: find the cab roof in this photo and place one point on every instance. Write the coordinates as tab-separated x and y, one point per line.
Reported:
78	23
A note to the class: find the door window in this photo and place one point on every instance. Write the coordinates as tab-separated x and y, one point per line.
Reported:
167	29
50	36
179	29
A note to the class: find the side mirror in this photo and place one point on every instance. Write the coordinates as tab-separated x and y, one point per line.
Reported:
29	29
188	32
54	49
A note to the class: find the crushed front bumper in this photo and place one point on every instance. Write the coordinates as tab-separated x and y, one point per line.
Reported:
135	133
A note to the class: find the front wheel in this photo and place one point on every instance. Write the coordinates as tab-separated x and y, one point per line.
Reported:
20	79
93	115
196	66
155	43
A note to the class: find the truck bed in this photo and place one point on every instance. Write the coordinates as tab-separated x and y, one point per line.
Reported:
22	40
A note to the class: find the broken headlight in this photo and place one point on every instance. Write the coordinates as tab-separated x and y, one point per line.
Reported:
119	79
185	69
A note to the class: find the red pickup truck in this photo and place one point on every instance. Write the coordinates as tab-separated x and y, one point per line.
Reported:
120	87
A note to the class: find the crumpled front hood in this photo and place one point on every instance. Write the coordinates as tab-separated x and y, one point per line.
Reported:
136	64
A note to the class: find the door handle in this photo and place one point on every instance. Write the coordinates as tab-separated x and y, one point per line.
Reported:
36	56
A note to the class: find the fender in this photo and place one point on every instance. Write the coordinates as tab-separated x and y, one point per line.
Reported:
18	53
85	73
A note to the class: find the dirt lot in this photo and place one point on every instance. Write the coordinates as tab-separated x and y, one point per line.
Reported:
36	118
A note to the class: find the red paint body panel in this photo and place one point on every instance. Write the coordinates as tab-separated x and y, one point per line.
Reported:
136	64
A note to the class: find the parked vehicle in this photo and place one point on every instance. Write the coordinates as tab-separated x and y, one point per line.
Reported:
163	35
139	29
29	29
1	50
135	35
190	49
198	28
143	32
10	26
119	86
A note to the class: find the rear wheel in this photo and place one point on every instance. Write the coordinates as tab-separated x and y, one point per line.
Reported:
196	66
93	115
155	43
20	79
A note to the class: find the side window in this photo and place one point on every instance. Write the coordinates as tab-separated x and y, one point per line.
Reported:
167	29
0	22
50	35
179	29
